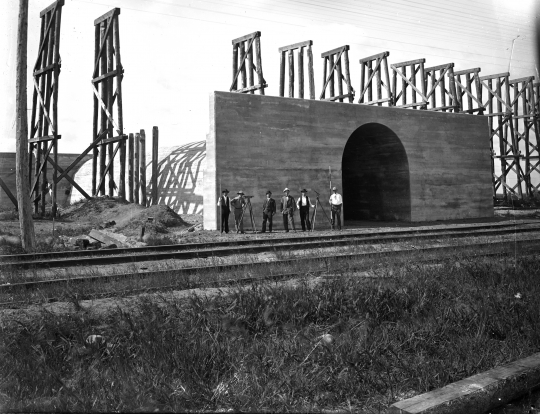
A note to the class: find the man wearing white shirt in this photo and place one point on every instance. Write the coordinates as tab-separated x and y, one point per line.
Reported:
303	204
336	201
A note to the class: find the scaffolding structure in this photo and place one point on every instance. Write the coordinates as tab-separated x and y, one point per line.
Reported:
290	51
44	119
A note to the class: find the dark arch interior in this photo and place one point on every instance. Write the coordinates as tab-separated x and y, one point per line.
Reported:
375	173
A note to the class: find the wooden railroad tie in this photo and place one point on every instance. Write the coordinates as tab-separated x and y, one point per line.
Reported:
244	65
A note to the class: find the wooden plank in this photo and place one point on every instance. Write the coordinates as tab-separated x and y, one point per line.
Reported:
113	140
68	178
439	67
46	69
407	63
105	238
58	3
335	98
249	68
155	148
101	78
9	193
348	76
525	79
295	46
110	13
465	71
373	57
340	49
251	88
339	80
142	167
43	139
246	37
383	100
498	75
107	169
479	393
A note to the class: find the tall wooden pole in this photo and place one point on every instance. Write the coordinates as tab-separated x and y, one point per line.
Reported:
155	147
142	167
26	222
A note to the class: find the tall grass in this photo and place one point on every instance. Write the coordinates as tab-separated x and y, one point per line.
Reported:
346	342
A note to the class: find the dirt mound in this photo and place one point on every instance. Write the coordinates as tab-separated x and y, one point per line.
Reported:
163	219
129	217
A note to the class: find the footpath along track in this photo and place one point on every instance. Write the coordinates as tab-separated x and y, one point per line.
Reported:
430	254
236	247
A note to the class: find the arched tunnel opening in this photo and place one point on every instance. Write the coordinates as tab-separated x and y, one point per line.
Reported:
375	173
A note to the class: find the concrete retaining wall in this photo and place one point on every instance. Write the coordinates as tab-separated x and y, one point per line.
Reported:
258	143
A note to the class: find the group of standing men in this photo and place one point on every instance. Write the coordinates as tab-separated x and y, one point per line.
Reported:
288	206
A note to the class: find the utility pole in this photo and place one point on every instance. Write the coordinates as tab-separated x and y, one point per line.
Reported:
26	222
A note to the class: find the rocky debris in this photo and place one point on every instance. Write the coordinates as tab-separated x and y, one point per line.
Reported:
107	224
82	243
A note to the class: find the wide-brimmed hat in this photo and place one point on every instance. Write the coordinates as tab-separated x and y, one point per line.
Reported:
303	190
334	188
269	192
225	191
240	192
286	189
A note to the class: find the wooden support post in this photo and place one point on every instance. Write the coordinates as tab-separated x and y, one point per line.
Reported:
155	148
251	79
347	75
131	168
103	115
282	74
339	80
310	73
95	132
235	66
301	73
136	168
323	92
332	77
142	167
243	80
26	223
110	94
120	111
291	74
258	56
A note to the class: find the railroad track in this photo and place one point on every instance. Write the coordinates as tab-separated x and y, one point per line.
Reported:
227	248
438	253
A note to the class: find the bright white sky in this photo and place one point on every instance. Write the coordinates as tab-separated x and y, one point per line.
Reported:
176	52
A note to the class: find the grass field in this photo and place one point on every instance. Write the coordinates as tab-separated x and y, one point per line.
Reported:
345	343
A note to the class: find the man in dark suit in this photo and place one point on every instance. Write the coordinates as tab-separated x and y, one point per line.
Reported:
225	203
269	209
287	209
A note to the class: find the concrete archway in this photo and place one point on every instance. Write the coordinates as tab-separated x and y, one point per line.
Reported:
375	174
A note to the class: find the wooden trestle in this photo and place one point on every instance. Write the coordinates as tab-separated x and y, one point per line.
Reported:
44	119
334	68
245	71
291	48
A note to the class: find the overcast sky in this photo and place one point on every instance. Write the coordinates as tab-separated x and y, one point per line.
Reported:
176	52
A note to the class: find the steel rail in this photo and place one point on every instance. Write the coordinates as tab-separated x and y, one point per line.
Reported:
250	242
251	249
447	251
